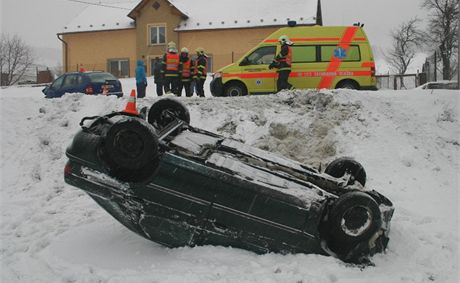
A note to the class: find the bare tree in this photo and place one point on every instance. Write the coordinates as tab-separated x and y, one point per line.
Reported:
406	40
443	27
15	59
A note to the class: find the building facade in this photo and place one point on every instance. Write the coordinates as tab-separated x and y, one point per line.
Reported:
113	38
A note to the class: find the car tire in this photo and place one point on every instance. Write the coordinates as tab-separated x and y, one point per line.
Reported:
343	165
165	111
348	84
235	89
129	149
354	218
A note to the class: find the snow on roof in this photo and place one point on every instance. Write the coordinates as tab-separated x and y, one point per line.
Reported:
202	14
107	17
205	14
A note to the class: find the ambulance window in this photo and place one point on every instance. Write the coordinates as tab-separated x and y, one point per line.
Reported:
303	54
261	56
329	51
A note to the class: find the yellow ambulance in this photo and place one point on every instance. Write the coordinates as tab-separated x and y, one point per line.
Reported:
322	57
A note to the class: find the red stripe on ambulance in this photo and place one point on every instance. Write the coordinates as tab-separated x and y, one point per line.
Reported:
326	81
301	74
308	39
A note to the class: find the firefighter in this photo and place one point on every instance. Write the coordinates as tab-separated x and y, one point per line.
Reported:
282	63
170	69
186	67
200	71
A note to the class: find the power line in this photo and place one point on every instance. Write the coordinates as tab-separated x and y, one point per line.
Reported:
99	4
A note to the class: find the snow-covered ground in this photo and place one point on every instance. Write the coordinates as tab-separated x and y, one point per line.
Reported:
408	141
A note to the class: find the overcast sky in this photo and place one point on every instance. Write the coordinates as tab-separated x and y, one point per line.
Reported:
38	21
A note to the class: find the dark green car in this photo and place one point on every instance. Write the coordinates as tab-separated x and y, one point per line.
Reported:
179	185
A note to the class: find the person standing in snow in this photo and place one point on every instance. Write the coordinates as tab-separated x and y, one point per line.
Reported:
200	71
186	67
283	62
141	80
170	69
157	77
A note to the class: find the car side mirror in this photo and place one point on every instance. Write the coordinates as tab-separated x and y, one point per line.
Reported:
244	62
45	90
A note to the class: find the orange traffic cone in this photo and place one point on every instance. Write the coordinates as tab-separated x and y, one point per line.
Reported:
131	105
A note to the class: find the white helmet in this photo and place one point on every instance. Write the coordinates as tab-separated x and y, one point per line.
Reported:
184	50
172	46
199	51
284	39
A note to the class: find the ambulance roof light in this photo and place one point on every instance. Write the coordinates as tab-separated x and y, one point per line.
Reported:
292	24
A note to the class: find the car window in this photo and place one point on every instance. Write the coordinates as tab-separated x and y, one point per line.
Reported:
72	81
57	83
100	77
261	56
330	51
303	53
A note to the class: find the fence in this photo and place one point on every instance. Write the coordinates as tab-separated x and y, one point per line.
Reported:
406	81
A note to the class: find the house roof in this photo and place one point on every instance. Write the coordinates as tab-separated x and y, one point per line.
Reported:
200	14
100	18
219	14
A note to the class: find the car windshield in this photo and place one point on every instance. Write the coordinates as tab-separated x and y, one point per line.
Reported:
101	77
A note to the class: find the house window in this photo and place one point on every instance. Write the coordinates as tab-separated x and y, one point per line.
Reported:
119	67
157	34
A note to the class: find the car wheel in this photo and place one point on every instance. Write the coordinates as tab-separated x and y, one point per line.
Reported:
353	219
235	89
165	111
130	150
346	165
348	84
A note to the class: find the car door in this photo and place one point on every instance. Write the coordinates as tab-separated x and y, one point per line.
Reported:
72	84
255	72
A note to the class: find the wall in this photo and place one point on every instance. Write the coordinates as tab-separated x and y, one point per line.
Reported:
147	15
90	50
221	43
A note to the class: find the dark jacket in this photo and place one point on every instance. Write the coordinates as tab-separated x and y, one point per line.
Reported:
284	58
157	77
186	67
201	67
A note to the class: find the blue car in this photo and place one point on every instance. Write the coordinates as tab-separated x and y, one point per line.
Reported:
91	83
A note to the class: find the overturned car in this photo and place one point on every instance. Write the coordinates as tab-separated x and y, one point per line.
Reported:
179	185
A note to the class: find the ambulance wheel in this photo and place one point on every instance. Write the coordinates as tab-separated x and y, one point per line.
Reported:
235	89
346	165
129	150
348	84
167	110
353	219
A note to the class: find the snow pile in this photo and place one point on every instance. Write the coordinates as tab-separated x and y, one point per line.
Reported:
408	141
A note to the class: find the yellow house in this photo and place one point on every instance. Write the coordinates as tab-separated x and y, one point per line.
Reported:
112	37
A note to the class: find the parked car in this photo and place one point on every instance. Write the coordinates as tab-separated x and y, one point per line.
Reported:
92	83
440	85
180	185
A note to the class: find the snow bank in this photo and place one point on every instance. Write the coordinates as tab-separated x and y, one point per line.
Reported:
408	141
